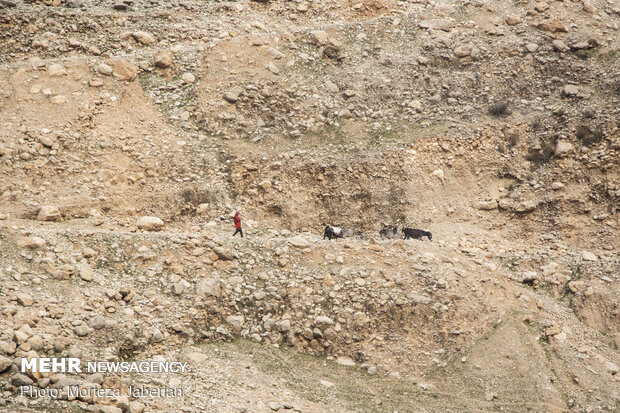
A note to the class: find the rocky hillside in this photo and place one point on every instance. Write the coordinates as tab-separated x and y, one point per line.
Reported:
132	130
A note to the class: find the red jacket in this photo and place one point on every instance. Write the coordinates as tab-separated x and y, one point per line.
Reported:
237	222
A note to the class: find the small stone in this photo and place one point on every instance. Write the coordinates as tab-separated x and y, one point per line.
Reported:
275	406
299	241
552	26
486	205
25	300
235	322
32	242
323	321
570	90
525	206
81	330
86	272
575	286
136	407
149	223
531	47
560	46
463	51
319	37
98	322
95	82
513	20
110	409
275	53
562	148
437	24
56	69
232	95
5	363
332	87
124	70
163	59
273	68
21	380
104	69
283	326
188	78
58	99
334	49
345	361
588	256
224	254
144	38
49	213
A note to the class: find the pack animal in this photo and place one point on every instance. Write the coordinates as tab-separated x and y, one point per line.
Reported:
417	234
389	233
332	232
352	233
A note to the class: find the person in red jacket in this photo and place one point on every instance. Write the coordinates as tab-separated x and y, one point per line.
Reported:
238	225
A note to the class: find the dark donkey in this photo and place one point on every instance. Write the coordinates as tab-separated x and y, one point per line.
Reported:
417	234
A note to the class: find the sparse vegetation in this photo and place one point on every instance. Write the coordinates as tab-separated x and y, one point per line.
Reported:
499	109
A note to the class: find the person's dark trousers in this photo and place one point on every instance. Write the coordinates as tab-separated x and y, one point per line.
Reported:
238	231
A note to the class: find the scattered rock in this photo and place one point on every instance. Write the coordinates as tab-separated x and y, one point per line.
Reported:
32	243
588	256
25	300
570	90
58	99
525	206
149	223
334	49
299	241
86	272
124	70
463	51
437	24
163	59
345	361
486	205
235	323
552	26
232	95
56	69
49	213
104	69
560	46
144	38
562	149
224	253
188	78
